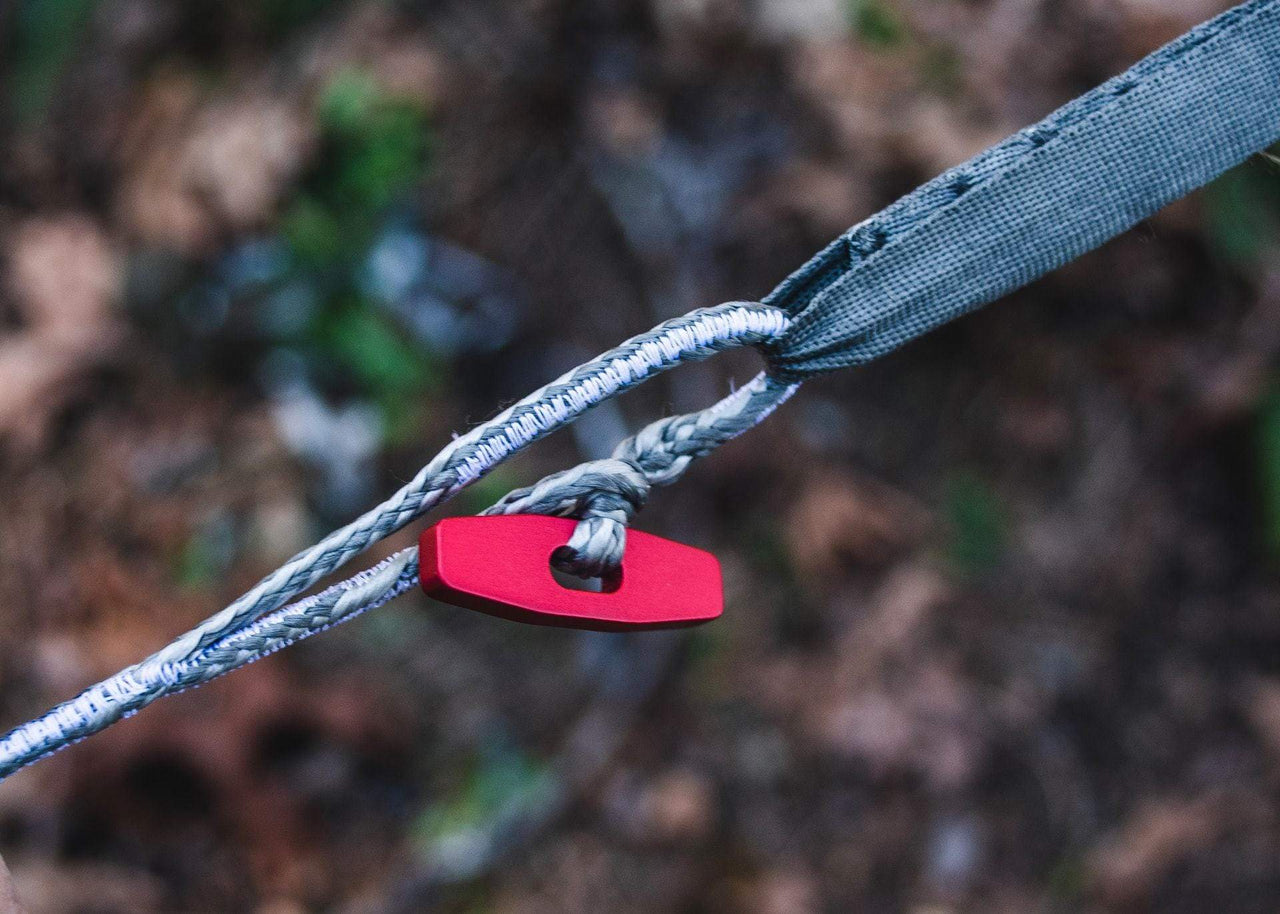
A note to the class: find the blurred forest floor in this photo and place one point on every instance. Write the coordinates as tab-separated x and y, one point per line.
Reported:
1003	625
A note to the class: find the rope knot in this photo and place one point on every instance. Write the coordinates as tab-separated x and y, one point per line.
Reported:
604	495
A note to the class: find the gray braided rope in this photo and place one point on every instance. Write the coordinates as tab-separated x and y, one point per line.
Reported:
123	695
694	336
606	494
232	637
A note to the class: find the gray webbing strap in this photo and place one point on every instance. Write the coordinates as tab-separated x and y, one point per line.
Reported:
1044	196
1029	204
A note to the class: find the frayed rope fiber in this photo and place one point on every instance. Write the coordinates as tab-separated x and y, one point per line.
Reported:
1029	204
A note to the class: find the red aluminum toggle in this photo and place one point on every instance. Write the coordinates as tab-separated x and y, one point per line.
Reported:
501	565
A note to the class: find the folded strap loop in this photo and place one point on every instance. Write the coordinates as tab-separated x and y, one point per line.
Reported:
1086	173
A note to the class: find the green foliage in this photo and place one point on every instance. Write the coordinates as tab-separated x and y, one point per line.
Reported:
766	550
383	363
393	630
941	71
375	145
978	527
486	490
313	232
373	153
194	568
345	104
1068	880
502	780
279	18
45	35
877	24
1243	212
207	554
1268	457
373	350
708	652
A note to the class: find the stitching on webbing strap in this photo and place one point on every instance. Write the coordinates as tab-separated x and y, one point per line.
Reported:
1216	91
1046	194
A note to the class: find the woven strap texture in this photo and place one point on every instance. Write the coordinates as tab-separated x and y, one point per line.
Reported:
1044	196
1026	206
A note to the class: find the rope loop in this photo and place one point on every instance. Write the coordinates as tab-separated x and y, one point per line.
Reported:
260	622
606	494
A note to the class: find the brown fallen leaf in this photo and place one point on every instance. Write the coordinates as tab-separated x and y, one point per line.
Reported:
784	892
38	374
53	889
1130	865
1262	707
681	806
8	897
1151	23
64	277
63	274
839	518
193	166
241	155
